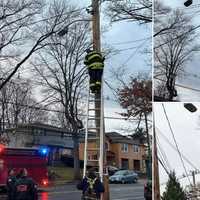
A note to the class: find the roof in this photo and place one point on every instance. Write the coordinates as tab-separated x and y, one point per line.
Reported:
41	126
118	138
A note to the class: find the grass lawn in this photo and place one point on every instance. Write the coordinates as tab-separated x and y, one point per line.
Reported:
62	173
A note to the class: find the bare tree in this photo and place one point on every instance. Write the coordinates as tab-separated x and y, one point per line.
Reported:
18	106
172	51
132	10
63	74
21	28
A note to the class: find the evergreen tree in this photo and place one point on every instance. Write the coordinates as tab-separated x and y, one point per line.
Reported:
174	191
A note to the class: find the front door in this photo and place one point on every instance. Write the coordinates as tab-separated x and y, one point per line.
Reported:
125	164
136	165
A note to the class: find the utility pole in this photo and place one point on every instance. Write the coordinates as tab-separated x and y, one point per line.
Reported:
156	185
193	177
97	47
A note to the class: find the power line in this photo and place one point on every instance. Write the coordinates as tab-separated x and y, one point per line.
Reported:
58	111
178	150
136	50
163	165
46	19
173	147
164	155
130	42
190	30
179	85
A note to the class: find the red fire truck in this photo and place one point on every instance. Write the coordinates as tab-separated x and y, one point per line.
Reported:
34	160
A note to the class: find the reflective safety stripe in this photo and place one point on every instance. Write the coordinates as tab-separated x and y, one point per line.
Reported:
96	65
92	84
98	83
93	56
93	52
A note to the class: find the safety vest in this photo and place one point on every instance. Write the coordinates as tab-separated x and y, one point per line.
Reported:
94	60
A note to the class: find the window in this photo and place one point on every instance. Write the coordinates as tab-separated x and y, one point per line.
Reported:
135	148
124	147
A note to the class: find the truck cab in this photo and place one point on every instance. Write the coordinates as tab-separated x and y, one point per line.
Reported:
34	160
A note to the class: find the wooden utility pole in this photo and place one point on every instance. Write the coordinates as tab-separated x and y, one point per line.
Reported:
193	178
97	47
156	183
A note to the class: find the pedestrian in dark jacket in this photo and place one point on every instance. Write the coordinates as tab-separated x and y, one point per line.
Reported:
91	186
11	180
25	188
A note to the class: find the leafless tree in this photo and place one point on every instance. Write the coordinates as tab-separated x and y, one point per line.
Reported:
61	72
19	106
22	34
172	51
132	10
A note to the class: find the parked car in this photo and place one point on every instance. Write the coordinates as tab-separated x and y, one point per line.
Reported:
124	176
112	170
148	190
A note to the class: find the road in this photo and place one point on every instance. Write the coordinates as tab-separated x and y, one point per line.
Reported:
69	192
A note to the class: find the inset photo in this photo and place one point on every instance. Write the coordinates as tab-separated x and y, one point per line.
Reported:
176	150
176	51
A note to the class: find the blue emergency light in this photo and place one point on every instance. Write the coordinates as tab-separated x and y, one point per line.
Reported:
44	151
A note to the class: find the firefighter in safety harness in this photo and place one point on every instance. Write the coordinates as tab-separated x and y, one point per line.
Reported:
95	63
91	186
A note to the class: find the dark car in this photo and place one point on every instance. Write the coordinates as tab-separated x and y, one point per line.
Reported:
148	190
124	176
112	170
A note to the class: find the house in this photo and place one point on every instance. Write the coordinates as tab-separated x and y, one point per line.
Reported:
121	151
57	140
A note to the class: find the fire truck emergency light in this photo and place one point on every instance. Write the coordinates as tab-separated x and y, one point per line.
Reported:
2	147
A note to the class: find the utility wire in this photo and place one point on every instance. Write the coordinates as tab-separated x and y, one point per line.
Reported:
46	19
164	155
178	150
135	52
162	162
58	111
190	30
179	85
130	42
164	167
173	147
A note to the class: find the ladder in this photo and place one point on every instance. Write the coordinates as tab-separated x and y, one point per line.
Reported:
93	156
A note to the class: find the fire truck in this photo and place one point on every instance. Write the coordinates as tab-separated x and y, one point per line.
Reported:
34	160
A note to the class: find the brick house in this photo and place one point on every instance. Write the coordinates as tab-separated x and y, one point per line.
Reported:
122	152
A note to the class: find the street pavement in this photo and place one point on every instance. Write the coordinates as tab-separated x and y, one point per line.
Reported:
69	192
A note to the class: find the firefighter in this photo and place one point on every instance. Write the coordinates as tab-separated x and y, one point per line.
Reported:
11	180
25	188
91	186
95	63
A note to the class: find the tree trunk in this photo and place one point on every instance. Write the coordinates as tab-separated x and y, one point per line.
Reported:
77	175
